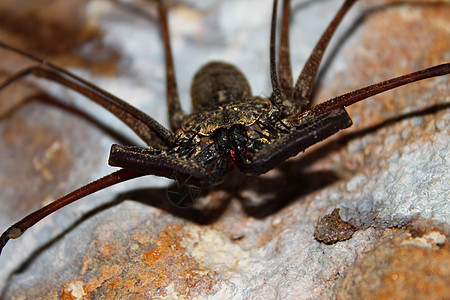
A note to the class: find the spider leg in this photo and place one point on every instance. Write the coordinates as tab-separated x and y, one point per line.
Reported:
311	130
297	99
284	59
277	94
176	114
305	82
324	120
148	129
20	227
183	168
374	89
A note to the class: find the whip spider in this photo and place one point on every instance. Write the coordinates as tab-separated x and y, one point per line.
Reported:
229	128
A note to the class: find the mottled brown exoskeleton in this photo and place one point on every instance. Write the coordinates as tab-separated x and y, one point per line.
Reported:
228	128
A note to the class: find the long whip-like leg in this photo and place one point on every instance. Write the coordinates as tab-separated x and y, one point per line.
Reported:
277	94
374	89
20	227
176	114
284	59
148	129
305	83
326	119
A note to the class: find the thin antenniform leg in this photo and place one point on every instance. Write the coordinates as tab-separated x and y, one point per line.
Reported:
284	59
277	95
305	82
20	227
176	114
145	127
374	89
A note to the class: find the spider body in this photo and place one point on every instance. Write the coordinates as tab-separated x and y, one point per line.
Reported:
229	128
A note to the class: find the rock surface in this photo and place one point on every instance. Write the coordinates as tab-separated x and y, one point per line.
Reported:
388	174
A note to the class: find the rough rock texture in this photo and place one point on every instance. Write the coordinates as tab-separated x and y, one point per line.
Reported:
400	267
388	174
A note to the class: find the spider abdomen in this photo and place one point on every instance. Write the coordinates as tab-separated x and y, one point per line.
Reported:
218	82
